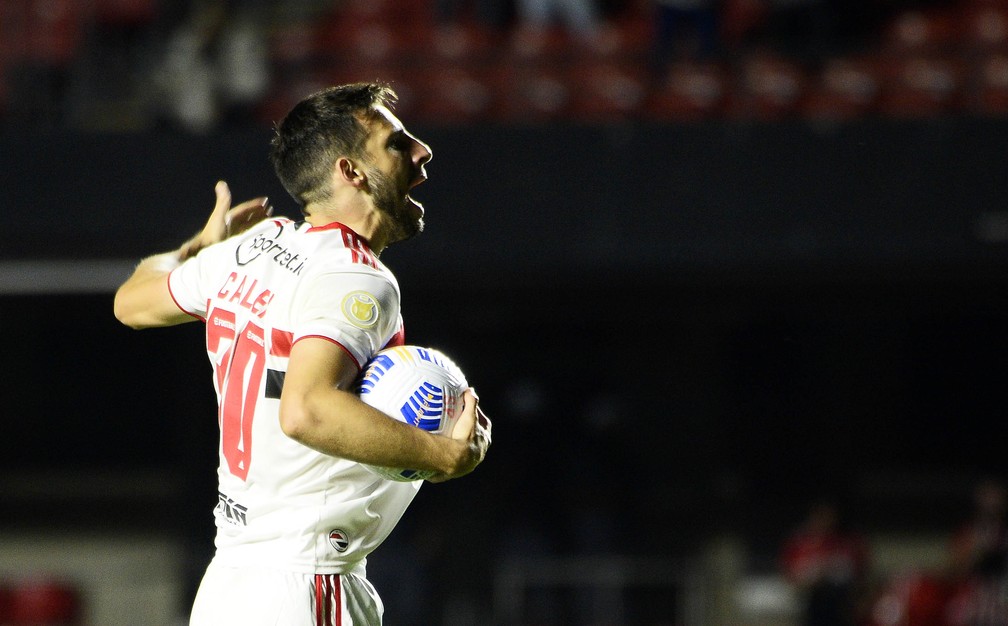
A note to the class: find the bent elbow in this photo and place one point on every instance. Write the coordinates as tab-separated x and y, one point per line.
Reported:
294	421
122	312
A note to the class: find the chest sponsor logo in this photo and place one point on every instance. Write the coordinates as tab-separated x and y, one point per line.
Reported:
266	244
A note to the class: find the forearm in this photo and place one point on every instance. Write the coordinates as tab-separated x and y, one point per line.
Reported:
336	422
143	300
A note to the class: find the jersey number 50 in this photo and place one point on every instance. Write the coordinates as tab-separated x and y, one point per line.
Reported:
239	360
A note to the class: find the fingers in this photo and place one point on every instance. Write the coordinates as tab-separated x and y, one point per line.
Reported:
472	428
482	421
255	204
223	193
466	423
481	433
225	221
484	433
247	214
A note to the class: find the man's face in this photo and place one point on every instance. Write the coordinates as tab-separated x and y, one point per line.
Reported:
395	165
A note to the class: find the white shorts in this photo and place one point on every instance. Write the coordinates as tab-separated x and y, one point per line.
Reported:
254	596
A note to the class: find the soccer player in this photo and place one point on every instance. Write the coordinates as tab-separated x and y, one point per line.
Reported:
293	310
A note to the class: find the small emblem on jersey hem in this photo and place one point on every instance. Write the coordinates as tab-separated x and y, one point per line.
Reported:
339	540
361	309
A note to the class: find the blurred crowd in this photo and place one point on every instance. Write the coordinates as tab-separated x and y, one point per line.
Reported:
129	64
828	562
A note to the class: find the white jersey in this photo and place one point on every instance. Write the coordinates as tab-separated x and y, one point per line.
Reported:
282	504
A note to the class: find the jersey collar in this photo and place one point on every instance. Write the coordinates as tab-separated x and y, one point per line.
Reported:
357	239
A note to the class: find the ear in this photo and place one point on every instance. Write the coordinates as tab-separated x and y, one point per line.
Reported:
350	172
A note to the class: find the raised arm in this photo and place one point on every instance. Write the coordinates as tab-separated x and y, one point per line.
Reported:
319	409
143	301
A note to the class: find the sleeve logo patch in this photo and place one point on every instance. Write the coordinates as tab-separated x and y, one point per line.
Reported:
361	308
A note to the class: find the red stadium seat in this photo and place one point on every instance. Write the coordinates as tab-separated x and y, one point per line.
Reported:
294	44
6	602
634	31
924	30
740	18
690	91
843	89
985	26
991	89
464	41
603	91
52	31
771	87
44	603
458	93
388	12
345	40
125	13
988	3
535	93
921	85
529	43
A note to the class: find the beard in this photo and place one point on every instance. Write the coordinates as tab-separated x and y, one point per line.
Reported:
396	206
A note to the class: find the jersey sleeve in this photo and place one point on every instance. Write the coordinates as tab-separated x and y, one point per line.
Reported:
185	287
357	309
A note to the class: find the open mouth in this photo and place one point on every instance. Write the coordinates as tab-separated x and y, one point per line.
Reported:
417	207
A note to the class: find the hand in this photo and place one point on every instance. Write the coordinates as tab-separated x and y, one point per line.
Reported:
473	429
226	221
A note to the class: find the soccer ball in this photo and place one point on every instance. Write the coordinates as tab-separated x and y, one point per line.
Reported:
415	385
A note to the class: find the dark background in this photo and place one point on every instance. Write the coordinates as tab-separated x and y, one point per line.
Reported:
678	331
688	319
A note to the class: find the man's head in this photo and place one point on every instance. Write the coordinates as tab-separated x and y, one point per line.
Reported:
348	134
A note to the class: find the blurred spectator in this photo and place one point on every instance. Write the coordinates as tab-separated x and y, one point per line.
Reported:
826	563
915	598
974	589
978	547
41	43
41	602
215	67
583	20
465	26
979	560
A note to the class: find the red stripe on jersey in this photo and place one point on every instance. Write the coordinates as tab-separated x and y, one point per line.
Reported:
280	343
359	250
366	256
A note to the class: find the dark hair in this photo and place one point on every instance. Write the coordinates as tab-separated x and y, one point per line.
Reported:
318	130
